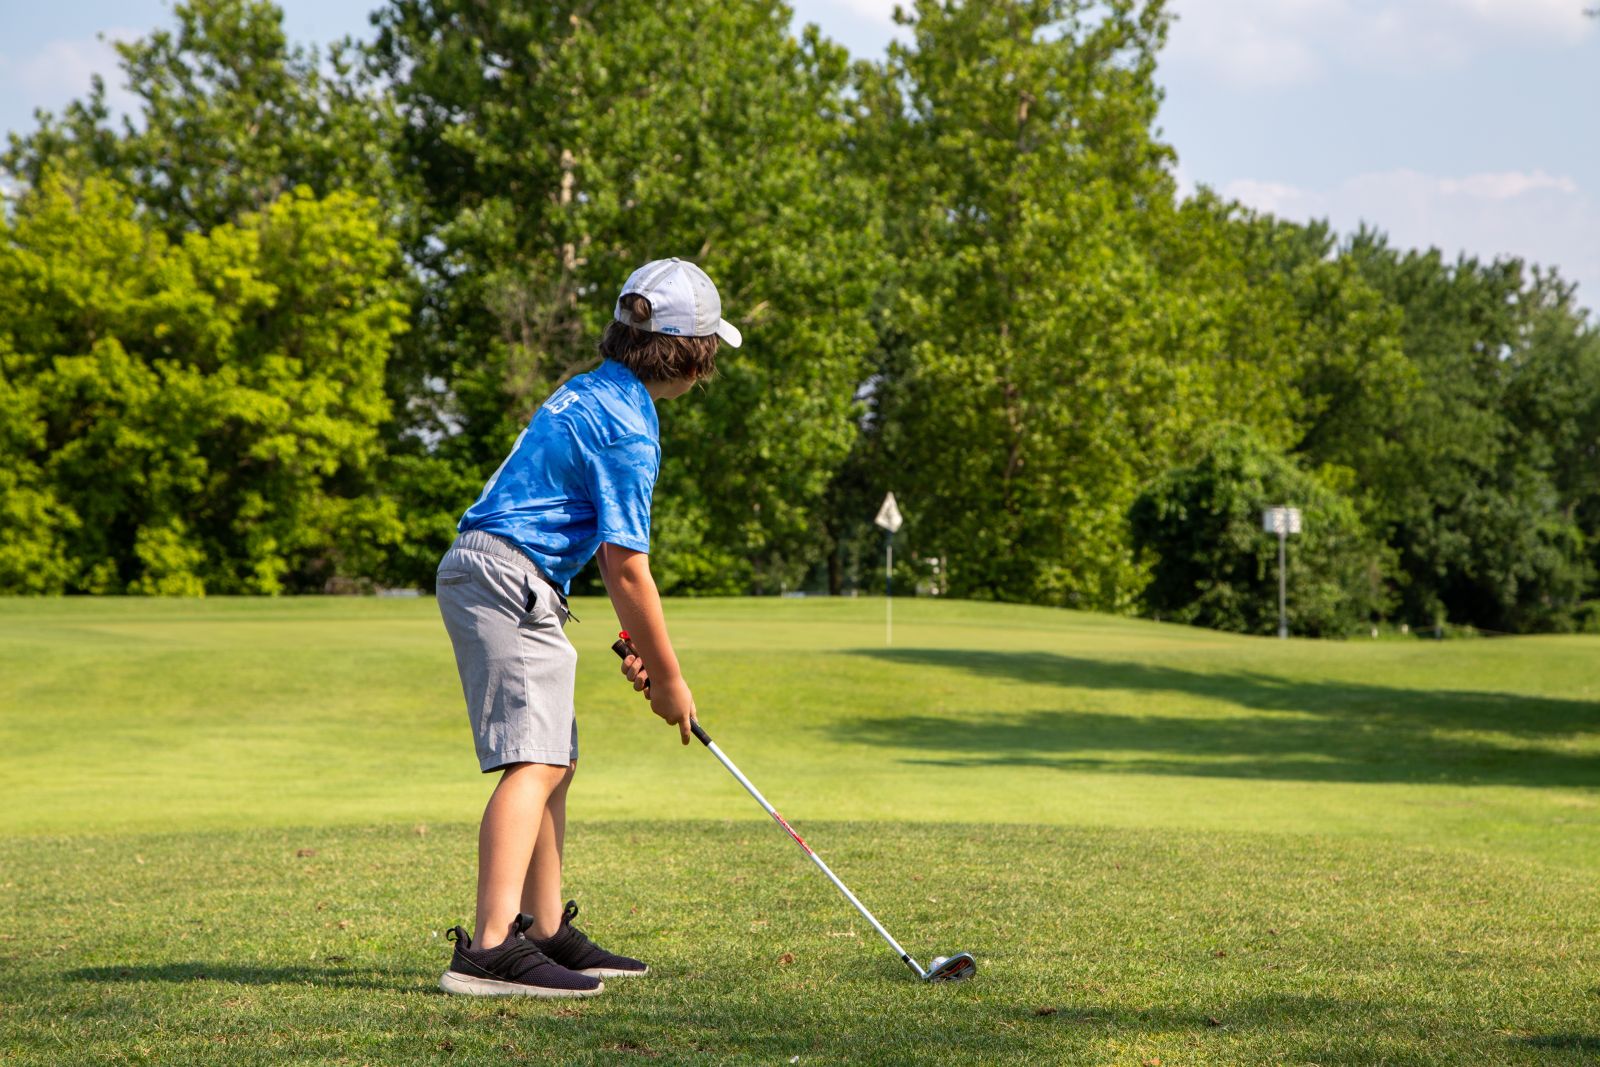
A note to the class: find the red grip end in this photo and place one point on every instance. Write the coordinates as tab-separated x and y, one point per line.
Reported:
623	634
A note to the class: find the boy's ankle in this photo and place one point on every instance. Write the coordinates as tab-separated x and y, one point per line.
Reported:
488	941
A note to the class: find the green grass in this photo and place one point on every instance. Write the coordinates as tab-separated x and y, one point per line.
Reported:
1161	843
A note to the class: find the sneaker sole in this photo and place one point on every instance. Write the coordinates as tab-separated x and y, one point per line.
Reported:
611	972
468	986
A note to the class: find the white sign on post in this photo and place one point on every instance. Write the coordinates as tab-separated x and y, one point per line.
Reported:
889	515
1283	522
889	518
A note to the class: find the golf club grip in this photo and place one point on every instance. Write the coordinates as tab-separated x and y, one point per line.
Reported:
623	650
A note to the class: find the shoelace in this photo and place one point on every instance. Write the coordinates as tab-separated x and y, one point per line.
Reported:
520	957
570	941
517	954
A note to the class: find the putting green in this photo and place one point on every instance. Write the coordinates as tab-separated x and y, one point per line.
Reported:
133	715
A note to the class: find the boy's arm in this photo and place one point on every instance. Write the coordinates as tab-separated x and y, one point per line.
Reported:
633	592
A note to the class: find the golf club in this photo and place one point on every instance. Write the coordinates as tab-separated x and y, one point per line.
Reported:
942	968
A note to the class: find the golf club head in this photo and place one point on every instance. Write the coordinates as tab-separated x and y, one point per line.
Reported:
951	968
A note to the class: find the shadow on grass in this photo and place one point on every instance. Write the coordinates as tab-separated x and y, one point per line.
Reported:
239	974
1309	731
1563	1042
1230	1014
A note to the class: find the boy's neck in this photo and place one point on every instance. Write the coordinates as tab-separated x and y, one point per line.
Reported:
669	389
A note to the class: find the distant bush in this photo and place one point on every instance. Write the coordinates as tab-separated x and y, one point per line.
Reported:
1211	564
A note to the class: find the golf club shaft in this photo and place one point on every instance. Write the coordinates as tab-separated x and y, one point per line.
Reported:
622	649
905	957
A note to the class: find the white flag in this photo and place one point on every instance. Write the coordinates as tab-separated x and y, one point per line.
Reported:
889	515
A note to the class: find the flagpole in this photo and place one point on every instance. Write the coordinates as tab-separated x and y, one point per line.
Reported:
888	519
888	592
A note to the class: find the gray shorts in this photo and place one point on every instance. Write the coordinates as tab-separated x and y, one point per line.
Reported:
517	667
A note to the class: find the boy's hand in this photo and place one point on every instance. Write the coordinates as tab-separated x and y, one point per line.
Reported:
674	703
671	700
633	670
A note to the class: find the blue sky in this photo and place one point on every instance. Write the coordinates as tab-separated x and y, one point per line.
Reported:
1470	125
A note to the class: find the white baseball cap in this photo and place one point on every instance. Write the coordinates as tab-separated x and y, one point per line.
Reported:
682	301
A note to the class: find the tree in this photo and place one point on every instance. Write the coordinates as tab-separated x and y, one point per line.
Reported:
1460	489
1032	371
1552	403
230	118
560	146
191	417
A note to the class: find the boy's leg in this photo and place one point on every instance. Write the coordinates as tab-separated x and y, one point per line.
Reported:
541	888
551	931
506	841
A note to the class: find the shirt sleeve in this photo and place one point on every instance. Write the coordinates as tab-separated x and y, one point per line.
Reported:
622	477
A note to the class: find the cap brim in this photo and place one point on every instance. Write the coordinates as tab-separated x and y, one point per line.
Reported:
729	333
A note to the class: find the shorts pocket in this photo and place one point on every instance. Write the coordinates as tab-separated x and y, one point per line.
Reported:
544	601
452	577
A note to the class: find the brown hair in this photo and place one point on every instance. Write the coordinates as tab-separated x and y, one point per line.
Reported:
657	357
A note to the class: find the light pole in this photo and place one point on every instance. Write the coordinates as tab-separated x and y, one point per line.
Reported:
1282	521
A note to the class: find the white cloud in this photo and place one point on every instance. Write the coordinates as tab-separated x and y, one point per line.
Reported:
1560	19
875	10
1542	218
62	70
1273	197
1507	185
1274	43
1182	179
1249	42
876	15
865	27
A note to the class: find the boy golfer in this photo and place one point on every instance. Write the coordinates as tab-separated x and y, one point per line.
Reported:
576	485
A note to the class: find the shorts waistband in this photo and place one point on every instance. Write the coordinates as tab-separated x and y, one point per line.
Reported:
503	548
495	545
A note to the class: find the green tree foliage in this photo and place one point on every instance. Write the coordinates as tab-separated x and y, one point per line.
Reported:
1407	373
963	275
194	416
1212	565
560	146
1464	489
229	116
1235	334
1023	355
1059	331
1553	404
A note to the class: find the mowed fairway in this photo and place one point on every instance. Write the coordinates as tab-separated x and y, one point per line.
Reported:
234	832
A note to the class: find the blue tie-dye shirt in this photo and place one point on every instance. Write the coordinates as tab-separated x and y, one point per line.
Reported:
581	472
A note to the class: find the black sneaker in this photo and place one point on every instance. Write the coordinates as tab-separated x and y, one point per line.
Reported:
513	968
571	948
